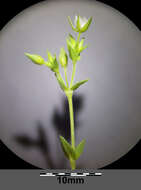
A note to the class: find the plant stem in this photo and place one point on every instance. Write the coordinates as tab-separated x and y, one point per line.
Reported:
73	164
65	72
69	96
78	38
73	73
71	119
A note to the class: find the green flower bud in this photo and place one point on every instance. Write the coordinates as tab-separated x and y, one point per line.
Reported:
75	48
63	58
52	62
72	47
37	59
72	41
80	46
81	24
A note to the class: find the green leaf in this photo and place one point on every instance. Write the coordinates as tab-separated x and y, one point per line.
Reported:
67	148
81	43
74	87
80	46
79	149
60	81
72	40
50	57
55	65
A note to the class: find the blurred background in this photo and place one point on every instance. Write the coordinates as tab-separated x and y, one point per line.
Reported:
34	111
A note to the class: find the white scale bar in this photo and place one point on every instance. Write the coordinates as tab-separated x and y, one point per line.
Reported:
78	175
47	174
75	174
71	174
98	173
61	173
86	174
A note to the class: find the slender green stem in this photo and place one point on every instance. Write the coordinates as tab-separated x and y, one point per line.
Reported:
73	164
69	96
66	78
71	119
78	38
73	73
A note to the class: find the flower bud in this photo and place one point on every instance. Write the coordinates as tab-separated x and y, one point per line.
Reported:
52	62
72	45
81	24
37	59
80	46
75	48
63	58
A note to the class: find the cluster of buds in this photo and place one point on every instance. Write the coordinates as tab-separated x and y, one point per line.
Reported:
75	47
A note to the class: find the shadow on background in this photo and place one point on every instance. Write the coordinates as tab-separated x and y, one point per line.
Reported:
61	123
40	143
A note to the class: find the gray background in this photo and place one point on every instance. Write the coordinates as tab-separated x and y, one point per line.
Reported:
108	107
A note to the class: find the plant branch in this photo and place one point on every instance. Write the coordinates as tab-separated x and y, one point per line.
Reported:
69	96
78	38
71	118
66	78
73	74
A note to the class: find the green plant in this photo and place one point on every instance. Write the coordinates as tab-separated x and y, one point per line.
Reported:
75	47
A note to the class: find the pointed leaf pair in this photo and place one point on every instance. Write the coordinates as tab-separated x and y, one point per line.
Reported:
69	151
67	148
75	86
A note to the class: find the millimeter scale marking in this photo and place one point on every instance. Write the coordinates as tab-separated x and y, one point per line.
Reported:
84	174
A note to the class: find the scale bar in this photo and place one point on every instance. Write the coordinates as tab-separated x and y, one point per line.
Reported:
52	174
